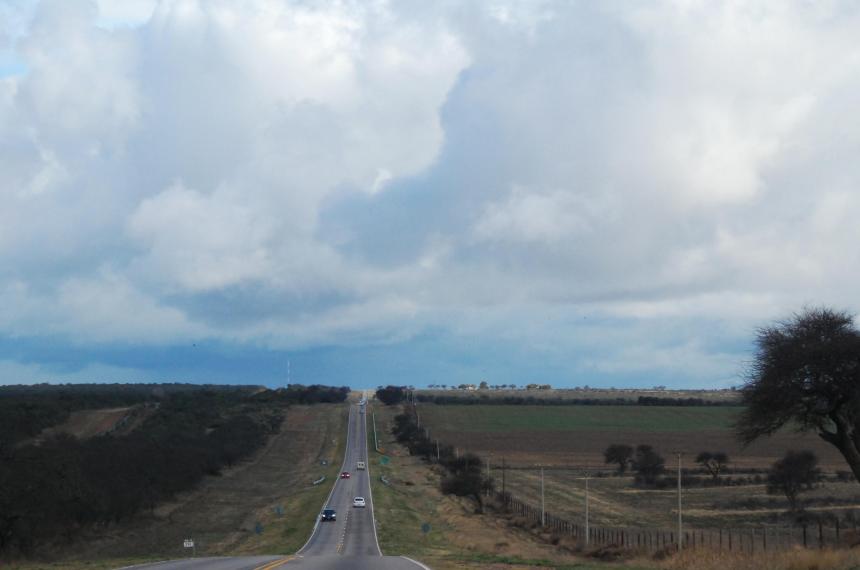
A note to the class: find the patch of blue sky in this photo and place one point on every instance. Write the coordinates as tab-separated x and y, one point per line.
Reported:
11	65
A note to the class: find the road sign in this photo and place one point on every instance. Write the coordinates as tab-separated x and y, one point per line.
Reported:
188	543
384	460
279	510
425	528
258	528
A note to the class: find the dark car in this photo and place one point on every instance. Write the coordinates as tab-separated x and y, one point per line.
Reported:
329	515
344	475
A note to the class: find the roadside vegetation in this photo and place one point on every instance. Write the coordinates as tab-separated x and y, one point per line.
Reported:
53	490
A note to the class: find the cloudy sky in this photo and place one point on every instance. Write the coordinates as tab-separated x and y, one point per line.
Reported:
601	193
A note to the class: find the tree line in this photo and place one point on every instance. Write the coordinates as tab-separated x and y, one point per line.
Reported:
463	474
509	400
51	491
25	410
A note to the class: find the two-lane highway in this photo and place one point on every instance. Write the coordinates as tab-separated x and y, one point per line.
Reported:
354	532
350	542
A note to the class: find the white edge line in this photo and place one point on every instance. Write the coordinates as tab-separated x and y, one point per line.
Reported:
415	562
370	480
336	480
147	564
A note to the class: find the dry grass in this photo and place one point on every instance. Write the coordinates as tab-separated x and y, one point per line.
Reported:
222	513
799	559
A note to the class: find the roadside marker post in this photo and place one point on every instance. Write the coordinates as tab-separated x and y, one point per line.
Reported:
189	543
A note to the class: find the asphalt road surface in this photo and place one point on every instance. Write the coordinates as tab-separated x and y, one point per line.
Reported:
348	543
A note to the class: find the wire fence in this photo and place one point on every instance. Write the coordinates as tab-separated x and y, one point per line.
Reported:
765	538
747	540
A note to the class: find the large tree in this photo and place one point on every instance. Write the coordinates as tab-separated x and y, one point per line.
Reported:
619	454
648	464
806	373
792	474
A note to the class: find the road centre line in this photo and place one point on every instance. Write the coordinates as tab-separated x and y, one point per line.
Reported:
274	564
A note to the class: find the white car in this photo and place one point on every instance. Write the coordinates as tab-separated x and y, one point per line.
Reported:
358	502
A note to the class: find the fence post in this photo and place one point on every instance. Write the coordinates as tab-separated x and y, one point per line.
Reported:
804	536
730	540
837	529
752	541
764	538
820	535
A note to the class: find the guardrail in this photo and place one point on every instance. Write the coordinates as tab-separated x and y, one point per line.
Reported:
320	480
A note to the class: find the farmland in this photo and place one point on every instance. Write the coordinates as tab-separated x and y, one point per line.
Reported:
569	441
576	436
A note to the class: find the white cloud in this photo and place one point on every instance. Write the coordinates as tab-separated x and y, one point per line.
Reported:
300	174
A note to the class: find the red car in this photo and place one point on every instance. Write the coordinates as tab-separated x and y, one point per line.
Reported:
344	475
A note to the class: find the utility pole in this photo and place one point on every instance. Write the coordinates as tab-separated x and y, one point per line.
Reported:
586	511
488	475
375	441
504	494
418	417
680	520
437	451
542	502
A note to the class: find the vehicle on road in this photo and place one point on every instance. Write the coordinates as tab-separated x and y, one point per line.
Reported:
358	502
345	475
361	466
329	515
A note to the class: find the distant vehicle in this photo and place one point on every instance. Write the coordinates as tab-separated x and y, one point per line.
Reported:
360	466
358	502
328	515
344	475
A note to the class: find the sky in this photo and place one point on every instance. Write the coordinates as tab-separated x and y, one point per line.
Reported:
613	194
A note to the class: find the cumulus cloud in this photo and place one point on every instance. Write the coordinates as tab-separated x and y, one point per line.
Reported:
298	174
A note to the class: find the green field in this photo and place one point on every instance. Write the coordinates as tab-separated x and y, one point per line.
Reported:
494	418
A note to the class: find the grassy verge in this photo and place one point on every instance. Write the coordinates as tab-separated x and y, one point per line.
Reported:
91	565
401	508
286	526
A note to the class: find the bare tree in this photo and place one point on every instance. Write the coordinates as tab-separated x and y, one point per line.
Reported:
806	372
714	462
